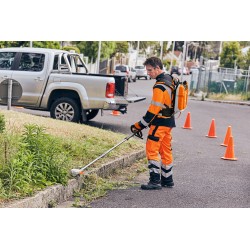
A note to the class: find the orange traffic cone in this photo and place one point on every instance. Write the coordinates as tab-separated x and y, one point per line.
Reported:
229	155
187	124
211	132
115	113
227	136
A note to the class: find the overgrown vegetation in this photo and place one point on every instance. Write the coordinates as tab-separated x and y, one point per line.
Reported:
30	162
34	156
229	97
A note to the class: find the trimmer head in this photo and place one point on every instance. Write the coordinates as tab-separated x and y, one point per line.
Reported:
75	172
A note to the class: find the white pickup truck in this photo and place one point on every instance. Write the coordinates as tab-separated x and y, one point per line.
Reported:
58	81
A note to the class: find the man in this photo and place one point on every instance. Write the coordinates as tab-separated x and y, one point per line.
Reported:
159	117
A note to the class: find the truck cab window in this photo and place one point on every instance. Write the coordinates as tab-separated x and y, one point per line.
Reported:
31	62
55	64
6	60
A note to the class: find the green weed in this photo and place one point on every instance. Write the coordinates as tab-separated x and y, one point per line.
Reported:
38	161
2	123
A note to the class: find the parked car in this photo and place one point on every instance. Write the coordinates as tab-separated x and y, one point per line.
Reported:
125	70
133	74
141	72
175	70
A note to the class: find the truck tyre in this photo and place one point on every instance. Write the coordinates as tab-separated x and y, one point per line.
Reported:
91	113
65	109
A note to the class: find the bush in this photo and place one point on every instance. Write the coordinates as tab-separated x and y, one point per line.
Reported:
38	161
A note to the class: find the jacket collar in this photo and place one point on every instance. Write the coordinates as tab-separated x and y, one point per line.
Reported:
160	76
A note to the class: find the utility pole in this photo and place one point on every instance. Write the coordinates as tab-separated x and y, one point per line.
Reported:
183	58
220	50
137	53
98	57
171	62
31	44
247	79
161	44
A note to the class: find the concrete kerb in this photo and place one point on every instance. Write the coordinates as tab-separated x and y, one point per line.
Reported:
58	193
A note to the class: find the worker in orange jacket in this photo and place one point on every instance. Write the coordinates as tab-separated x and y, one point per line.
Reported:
159	117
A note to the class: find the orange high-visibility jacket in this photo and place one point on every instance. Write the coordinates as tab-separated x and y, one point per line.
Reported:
161	100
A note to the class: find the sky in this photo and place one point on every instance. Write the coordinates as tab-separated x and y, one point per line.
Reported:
131	20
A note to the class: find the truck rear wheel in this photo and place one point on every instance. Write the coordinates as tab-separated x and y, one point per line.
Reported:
65	109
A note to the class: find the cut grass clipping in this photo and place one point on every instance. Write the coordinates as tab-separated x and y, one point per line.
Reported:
39	154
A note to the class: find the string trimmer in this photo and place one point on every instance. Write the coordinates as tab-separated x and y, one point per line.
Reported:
76	172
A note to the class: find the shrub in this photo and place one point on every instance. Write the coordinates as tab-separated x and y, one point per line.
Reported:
39	161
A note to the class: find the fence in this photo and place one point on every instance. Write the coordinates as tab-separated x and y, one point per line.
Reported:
220	80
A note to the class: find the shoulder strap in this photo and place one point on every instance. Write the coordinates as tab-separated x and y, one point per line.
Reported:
166	80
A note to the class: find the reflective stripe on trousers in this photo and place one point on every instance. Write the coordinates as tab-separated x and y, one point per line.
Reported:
166	170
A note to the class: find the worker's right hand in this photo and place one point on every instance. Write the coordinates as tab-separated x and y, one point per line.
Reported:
135	128
136	131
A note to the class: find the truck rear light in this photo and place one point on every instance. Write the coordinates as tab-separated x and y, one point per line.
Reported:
110	90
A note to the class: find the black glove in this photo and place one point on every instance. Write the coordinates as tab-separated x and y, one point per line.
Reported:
136	131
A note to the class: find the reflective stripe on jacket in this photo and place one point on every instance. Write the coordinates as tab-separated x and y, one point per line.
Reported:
161	99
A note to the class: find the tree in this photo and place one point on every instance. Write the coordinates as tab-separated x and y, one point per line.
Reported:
47	44
43	44
143	45
90	49
121	47
69	48
245	62
231	55
8	44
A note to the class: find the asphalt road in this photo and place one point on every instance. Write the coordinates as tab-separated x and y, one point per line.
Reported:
202	178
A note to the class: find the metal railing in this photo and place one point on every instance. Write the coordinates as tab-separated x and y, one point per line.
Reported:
220	80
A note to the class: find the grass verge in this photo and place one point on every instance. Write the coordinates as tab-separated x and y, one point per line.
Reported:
36	152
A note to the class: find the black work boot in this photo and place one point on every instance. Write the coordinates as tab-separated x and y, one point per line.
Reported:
167	182
154	182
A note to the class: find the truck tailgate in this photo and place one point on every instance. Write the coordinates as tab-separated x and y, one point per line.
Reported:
128	99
